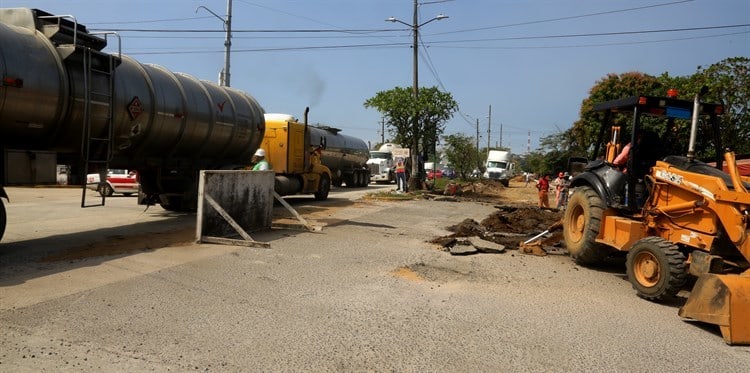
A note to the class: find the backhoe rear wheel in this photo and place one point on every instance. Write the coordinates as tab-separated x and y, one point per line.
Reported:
581	225
656	268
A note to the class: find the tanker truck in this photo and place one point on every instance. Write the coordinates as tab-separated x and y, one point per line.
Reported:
309	159
63	98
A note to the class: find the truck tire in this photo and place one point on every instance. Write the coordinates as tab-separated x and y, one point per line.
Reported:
173	204
3	219
581	225
105	190
325	187
656	268
363	179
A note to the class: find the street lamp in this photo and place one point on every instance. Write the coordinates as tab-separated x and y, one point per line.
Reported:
224	78
415	25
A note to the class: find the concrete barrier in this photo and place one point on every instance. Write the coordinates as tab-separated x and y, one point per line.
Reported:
233	203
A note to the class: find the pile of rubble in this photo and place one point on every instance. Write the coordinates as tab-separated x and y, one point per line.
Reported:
510	227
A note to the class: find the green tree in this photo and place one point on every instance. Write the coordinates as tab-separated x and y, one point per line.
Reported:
728	82
556	150
432	110
535	162
585	131
461	153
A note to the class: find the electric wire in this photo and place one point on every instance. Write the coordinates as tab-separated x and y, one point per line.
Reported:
443	44
568	17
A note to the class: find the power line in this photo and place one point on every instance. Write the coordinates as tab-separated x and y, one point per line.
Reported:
592	34
442	44
280	49
287	13
268	31
566	18
538	37
148	21
599	44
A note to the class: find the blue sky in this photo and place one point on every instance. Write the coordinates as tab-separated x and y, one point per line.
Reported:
532	61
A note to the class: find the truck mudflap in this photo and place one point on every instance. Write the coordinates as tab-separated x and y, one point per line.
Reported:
723	300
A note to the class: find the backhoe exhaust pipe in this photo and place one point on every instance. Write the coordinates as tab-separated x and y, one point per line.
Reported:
694	124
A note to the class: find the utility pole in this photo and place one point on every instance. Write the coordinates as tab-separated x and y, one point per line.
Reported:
501	134
528	143
382	130
415	91
228	42
489	124
224	77
415	25
479	164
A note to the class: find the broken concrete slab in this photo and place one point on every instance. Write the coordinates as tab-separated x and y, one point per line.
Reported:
474	245
485	246
462	249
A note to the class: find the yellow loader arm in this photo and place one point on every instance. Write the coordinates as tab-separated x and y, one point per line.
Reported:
724	299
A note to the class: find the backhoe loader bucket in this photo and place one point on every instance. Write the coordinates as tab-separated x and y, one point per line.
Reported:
723	300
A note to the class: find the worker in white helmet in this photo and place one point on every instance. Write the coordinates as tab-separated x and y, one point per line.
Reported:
259	159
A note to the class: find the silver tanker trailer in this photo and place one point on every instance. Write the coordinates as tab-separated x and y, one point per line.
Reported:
61	95
345	156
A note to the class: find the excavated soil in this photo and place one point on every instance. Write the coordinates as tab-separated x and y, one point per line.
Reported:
517	218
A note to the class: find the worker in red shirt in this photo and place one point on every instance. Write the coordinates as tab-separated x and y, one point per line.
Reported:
543	186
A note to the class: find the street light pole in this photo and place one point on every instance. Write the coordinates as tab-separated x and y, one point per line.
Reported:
415	92
224	78
415	25
228	42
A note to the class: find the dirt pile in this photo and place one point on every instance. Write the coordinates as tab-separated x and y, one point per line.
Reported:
508	226
523	219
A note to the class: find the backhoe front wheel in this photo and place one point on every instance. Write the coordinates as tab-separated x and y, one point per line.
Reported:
656	268
581	225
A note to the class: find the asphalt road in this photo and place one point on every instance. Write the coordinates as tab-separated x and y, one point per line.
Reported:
122	289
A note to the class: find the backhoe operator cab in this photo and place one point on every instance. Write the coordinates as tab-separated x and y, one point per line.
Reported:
674	216
622	187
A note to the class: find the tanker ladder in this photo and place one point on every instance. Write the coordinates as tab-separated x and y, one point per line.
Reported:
99	70
70	37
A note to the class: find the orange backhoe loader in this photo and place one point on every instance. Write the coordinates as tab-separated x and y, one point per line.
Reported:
674	216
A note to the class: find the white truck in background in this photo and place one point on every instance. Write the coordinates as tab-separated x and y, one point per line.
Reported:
499	167
382	165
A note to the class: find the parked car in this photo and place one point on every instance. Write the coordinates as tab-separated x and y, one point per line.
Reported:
449	172
118	181
434	174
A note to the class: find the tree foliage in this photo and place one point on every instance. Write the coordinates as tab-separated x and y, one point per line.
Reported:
431	110
585	132
461	153
728	82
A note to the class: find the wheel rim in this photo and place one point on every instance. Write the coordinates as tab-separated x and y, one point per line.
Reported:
646	269
577	222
